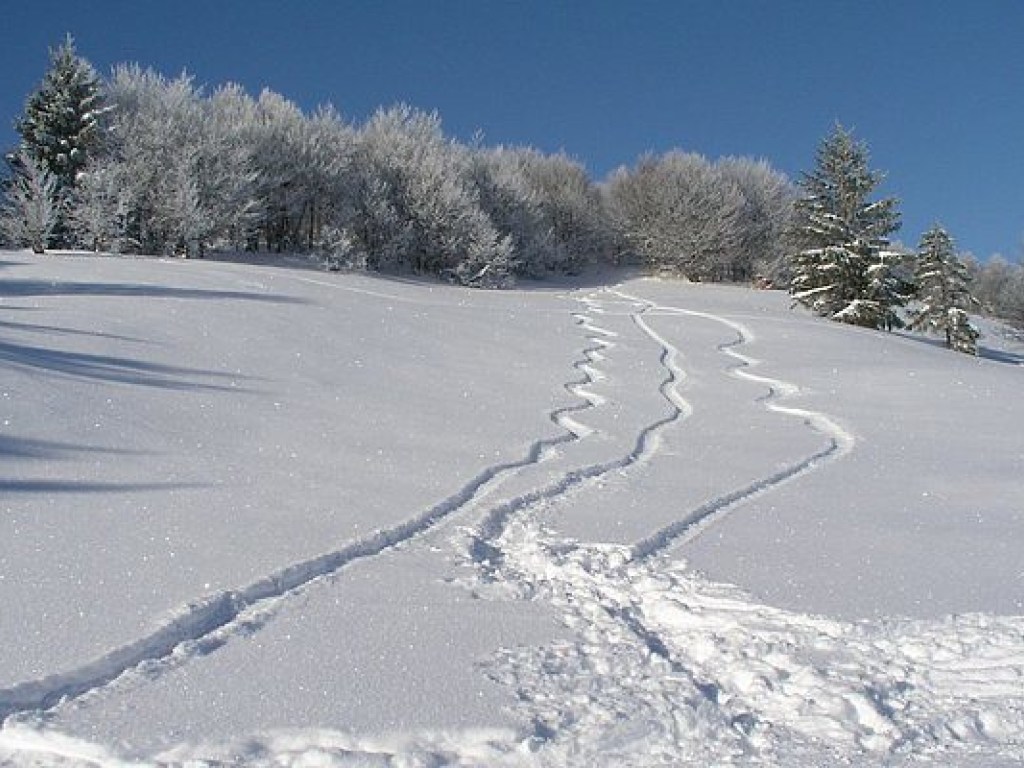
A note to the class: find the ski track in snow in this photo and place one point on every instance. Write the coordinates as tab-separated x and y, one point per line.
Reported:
663	666
840	441
200	626
668	668
494	521
696	521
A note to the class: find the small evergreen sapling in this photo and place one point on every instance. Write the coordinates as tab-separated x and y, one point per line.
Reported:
944	293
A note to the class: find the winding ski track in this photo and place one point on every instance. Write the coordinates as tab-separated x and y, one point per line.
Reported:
695	521
591	599
216	613
482	547
839	441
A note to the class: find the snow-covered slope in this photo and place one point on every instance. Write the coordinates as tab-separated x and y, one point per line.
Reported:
267	515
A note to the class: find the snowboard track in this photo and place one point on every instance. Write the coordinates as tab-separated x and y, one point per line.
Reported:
695	521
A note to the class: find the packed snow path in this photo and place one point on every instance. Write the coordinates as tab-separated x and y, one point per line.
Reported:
659	664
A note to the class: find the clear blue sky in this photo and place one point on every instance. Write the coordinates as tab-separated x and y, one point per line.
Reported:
936	87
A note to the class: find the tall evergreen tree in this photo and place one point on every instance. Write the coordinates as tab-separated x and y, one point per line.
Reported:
842	269
60	126
944	293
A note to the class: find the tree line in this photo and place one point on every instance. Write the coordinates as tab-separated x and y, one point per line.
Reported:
141	163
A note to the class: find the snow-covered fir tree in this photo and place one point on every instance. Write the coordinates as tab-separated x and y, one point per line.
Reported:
31	206
60	126
944	293
842	269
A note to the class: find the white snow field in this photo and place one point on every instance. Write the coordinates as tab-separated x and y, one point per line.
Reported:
259	514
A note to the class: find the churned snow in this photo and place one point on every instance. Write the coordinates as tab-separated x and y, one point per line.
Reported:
264	515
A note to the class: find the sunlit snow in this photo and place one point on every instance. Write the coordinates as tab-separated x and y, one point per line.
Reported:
259	514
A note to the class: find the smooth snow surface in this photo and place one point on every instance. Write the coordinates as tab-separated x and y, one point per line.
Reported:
263	515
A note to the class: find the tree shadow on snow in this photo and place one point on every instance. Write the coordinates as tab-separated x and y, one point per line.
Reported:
27	288
54	329
984	352
116	369
1001	356
74	486
52	450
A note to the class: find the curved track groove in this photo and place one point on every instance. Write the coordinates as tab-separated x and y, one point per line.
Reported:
697	520
215	613
664	667
483	550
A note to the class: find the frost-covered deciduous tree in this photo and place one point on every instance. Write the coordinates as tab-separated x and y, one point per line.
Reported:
304	174
99	207
679	213
988	279
999	287
155	138
1011	298
186	221
416	206
634	202
224	172
276	136
329	177
842	269
32	204
514	208
570	208
546	205
764	219
185	163
943	292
